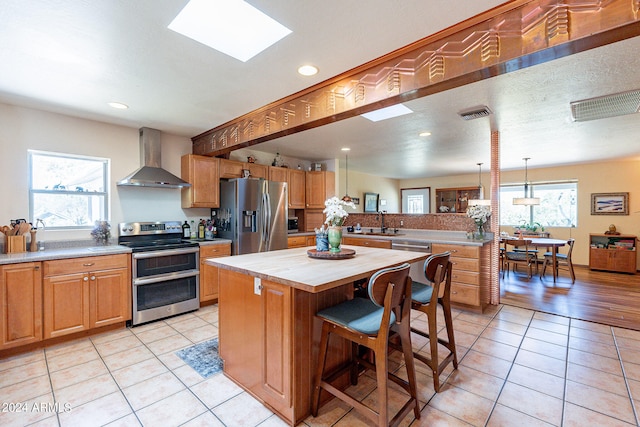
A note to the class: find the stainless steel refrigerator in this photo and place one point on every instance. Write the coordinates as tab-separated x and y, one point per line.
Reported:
253	215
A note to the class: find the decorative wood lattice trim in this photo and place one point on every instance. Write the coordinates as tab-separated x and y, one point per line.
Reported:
513	36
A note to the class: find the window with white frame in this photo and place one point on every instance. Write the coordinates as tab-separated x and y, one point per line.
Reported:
68	191
415	200
557	208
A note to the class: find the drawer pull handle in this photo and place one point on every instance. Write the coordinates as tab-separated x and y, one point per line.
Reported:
88	264
454	292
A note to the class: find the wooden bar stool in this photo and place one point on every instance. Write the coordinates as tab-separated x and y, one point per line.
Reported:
368	322
425	298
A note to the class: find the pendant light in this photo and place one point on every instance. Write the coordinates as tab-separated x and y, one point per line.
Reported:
346	197
480	201
526	200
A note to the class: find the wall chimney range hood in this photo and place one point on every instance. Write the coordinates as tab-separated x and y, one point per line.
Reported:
151	173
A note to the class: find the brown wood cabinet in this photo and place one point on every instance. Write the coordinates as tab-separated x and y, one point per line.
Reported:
20	304
203	174
259	352
209	273
319	187
84	293
617	253
313	218
363	241
295	180
455	199
470	274
233	169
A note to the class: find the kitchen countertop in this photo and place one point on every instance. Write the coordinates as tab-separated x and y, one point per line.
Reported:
416	236
53	254
81	251
293	267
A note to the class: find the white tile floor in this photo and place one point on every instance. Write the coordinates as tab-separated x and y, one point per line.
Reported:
517	367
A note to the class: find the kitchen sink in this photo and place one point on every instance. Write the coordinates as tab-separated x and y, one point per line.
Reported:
378	233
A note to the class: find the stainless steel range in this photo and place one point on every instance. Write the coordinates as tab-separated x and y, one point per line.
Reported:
165	269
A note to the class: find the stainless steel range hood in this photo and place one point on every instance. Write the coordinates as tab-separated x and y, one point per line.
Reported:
151	173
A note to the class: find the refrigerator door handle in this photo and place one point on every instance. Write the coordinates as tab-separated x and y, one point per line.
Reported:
267	221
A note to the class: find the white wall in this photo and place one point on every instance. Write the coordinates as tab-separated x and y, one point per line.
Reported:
22	129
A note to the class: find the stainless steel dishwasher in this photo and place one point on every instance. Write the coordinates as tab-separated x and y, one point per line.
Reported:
417	268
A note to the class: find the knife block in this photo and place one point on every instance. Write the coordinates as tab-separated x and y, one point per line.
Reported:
16	244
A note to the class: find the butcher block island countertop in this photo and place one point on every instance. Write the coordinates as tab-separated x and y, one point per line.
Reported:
268	333
293	267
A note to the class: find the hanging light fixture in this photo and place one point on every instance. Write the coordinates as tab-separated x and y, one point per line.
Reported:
480	201
346	197
526	200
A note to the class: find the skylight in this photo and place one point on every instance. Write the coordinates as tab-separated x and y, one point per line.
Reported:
232	27
387	113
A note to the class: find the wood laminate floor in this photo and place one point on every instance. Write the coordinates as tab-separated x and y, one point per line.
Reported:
596	296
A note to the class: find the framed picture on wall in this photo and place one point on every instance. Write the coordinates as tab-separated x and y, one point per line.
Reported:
609	203
371	202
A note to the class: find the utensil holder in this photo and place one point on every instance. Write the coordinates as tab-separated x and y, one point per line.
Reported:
16	244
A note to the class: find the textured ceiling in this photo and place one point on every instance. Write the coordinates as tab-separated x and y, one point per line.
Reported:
73	57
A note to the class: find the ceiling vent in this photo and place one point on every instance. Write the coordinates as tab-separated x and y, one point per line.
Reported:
475	113
617	104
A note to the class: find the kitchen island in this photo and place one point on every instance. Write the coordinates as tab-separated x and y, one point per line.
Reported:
268	332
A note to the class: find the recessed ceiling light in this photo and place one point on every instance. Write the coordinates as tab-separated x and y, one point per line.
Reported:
308	70
118	105
425	134
234	28
346	149
387	113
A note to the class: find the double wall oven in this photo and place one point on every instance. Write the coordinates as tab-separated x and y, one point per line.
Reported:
165	270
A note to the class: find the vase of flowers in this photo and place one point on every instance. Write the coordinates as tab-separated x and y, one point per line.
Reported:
101	233
335	216
480	215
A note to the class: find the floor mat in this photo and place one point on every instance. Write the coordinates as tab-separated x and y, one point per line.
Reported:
203	357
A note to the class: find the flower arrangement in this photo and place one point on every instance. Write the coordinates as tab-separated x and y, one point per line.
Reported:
335	211
480	214
101	232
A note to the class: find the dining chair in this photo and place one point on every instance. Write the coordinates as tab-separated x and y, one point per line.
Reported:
520	253
369	322
425	298
562	260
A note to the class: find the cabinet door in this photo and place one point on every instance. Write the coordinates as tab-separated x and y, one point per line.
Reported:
110	293
230	169
319	186
202	173
622	260
257	171
276	363
313	219
66	304
20	304
209	273
278	174
296	180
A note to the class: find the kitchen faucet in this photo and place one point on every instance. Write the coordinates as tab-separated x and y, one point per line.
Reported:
382	227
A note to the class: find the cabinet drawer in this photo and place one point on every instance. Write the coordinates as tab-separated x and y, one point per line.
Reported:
465	294
80	265
465	264
213	251
457	250
466	277
371	243
297	241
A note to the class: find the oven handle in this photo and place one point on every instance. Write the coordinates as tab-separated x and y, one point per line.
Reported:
167	252
165	277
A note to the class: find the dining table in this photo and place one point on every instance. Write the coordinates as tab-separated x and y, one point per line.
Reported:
551	245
